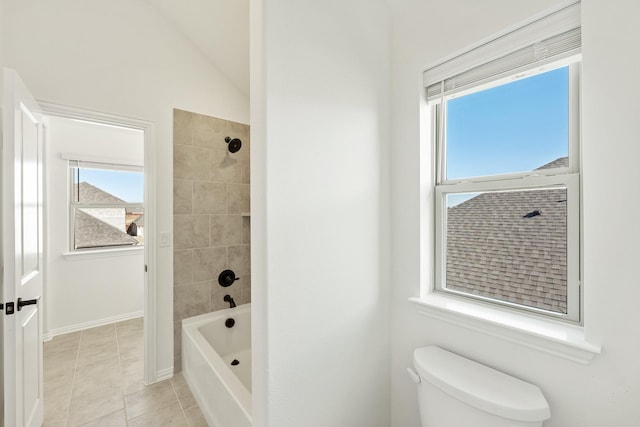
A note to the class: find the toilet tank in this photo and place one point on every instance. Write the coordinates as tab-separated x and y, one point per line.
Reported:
457	392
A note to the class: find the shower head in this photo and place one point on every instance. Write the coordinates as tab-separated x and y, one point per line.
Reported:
234	144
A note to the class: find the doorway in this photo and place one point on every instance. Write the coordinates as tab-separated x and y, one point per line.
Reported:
130	260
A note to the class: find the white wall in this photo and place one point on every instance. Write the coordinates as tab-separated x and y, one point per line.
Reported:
320	283
82	291
121	57
606	392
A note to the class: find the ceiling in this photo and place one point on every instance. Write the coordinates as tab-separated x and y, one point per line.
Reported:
219	29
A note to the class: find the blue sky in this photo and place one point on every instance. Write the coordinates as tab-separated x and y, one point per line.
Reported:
515	127
128	186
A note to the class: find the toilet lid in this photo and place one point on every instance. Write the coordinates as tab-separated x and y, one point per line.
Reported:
480	386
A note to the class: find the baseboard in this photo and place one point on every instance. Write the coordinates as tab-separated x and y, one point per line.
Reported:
164	374
92	324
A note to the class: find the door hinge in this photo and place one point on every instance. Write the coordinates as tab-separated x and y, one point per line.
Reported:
145	268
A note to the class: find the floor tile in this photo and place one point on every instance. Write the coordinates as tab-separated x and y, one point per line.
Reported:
195	417
94	378
149	399
185	397
114	419
169	416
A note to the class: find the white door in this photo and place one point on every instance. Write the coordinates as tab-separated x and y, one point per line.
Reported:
22	179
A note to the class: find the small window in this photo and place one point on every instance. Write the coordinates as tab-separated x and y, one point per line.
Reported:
507	184
107	208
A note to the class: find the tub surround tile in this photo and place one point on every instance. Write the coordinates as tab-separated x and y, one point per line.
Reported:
209	198
226	230
190	231
182	267
246	230
208	263
182	127
211	190
238	198
245	289
209	132
239	259
177	338
225	166
177	364
182	196
191	300
246	171
190	162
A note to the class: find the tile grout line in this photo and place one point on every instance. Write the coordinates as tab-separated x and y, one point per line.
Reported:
73	379
124	402
184	413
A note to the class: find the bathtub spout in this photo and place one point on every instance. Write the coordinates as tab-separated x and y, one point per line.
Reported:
232	303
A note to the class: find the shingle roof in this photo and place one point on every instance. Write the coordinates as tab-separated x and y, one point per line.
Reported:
91	232
499	247
92	194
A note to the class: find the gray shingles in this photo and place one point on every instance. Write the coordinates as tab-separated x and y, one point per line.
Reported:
91	232
494	251
92	194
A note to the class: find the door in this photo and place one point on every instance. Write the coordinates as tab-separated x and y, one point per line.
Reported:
22	180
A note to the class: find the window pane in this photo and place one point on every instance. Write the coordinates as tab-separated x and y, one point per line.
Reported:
509	246
108	227
515	127
107	186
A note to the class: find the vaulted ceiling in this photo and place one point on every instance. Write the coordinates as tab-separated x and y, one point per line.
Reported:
218	28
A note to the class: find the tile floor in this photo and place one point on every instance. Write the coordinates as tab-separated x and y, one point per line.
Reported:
94	378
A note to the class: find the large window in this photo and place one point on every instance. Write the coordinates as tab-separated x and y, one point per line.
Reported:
106	206
507	193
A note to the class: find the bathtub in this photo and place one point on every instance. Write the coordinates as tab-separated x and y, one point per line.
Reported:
222	389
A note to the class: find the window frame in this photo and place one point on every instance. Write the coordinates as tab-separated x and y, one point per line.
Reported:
73	204
567	177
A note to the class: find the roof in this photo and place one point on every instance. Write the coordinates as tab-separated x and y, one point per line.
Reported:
91	232
499	247
92	194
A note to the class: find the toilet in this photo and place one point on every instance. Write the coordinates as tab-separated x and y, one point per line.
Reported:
457	392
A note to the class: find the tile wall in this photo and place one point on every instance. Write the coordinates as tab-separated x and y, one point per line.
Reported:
211	226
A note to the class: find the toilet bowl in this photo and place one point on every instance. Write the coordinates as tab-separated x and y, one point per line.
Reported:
457	392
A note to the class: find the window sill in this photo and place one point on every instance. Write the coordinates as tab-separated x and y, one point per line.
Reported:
549	336
101	253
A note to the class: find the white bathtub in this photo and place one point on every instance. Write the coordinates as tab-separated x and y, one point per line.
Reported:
222	391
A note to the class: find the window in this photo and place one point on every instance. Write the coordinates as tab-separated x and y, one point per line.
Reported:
505	126
106	208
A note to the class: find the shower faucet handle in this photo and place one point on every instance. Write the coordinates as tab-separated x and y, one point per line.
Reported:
226	278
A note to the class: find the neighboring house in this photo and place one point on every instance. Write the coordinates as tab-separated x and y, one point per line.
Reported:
91	232
135	224
511	246
93	195
99	226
